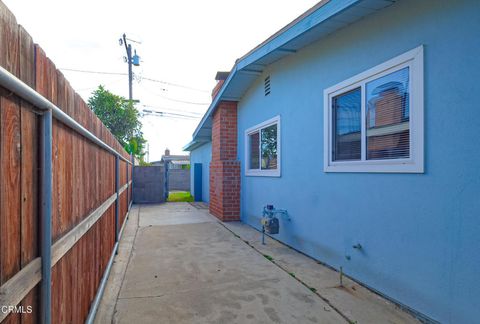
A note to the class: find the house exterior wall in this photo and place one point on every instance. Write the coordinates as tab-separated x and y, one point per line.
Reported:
202	154
419	232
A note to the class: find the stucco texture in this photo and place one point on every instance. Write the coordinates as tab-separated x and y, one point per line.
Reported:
419	232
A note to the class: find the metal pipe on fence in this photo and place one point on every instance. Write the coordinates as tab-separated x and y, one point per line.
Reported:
103	282
46	217
17	86
101	288
132	157
50	111
128	187
117	201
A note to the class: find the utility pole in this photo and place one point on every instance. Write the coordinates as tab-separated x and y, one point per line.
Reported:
131	60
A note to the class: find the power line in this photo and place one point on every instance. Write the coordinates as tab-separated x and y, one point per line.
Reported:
175	100
186	102
172	109
156	113
141	78
93	72
173	84
153	111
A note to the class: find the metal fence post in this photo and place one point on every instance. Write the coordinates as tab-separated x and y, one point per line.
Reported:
117	201
46	217
128	193
165	168
133	170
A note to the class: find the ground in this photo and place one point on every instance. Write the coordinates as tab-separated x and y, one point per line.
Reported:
179	196
179	264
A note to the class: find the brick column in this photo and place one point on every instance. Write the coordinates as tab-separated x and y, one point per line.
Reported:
224	166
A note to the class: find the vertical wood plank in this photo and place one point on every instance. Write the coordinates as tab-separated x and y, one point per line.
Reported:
29	158
29	173
10	189
83	178
9	46
10	157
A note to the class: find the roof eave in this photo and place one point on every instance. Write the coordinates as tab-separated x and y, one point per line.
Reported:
275	45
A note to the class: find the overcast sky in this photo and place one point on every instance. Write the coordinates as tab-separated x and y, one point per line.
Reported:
182	43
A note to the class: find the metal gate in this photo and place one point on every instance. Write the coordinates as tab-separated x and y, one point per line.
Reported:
148	184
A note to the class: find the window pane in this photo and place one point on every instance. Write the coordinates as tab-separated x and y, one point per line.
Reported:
254	144
347	112
269	147
388	131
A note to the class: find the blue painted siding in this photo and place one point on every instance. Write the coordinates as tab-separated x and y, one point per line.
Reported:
420	232
202	154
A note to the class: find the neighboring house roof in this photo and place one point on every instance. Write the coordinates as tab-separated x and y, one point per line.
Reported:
176	158
321	20
183	162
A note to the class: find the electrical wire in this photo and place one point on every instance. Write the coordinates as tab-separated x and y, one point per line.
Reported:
149	112
172	99
173	84
172	109
184	101
93	72
140	77
168	116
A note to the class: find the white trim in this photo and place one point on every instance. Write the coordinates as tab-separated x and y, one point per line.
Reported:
257	128
415	164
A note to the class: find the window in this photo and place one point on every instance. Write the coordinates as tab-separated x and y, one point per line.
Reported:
373	122
262	149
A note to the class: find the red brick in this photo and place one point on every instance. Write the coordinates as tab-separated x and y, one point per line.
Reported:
224	167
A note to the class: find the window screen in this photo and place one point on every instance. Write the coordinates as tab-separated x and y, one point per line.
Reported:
254	143
347	111
387	119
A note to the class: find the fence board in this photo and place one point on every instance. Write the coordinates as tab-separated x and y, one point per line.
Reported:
22	281
29	172
10	186
83	178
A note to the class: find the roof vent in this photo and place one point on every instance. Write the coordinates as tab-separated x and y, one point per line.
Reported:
267	85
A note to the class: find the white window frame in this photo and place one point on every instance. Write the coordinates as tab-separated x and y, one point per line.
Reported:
415	163
257	128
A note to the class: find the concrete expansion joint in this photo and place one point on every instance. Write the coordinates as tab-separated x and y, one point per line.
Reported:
313	290
140	297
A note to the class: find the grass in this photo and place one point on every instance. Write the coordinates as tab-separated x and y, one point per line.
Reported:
180	196
268	257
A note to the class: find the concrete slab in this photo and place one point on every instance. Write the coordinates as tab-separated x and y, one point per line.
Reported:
199	204
173	214
352	299
178	264
201	273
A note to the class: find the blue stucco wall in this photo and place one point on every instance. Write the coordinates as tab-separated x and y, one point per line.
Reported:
420	232
202	154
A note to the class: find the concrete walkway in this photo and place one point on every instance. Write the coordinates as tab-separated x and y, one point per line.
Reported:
178	264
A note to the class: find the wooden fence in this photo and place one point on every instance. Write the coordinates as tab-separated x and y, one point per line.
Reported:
83	208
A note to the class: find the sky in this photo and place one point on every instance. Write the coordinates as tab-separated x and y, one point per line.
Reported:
181	44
